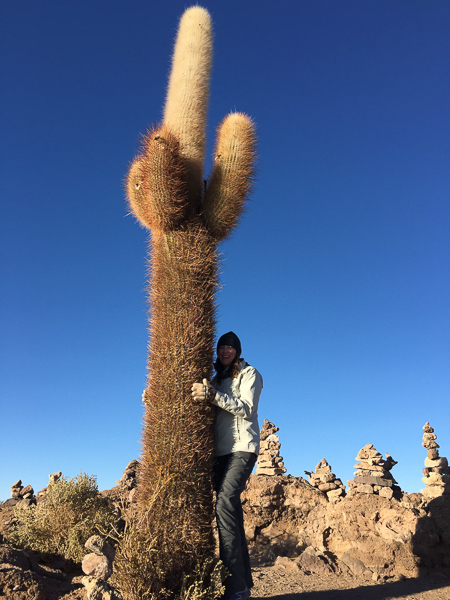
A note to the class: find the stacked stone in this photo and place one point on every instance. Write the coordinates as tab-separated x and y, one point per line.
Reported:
326	481
16	489
373	474
128	481
269	460
24	495
52	478
98	567
436	474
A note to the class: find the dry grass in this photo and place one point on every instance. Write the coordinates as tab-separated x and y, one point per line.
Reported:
71	513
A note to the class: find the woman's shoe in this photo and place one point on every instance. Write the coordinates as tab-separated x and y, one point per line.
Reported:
244	595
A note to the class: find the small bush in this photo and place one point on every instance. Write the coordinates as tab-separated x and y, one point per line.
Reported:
71	512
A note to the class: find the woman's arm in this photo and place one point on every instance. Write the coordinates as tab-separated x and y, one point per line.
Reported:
247	403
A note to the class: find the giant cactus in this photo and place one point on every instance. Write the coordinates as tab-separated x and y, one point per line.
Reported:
187	217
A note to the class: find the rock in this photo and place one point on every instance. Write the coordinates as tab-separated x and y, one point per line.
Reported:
286	563
373	480
428	439
430	445
99	546
323	479
269	460
389	463
129	477
368	452
26	490
336	494
268	429
386	492
313	563
374	468
11	502
16	489
436	472
436	479
434	491
16	558
365	489
356	566
97	566
327	487
372	475
434	462
269	471
26	502
133	466
97	589
327	477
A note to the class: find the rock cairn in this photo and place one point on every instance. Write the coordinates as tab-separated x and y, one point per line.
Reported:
269	460
436	474
128	481
52	478
98	567
373	474
23	495
326	481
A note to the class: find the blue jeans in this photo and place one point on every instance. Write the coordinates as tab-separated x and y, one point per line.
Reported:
230	476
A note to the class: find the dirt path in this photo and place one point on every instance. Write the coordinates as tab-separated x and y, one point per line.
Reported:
279	584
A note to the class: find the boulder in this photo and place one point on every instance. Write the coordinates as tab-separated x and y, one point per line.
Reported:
313	562
96	589
97	566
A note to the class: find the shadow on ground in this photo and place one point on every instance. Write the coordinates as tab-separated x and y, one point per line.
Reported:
387	591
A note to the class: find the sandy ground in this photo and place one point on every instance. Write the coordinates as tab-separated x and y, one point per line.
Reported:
270	582
277	583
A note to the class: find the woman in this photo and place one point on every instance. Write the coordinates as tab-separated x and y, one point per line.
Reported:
234	391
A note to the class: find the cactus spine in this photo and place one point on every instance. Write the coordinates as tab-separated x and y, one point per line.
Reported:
166	193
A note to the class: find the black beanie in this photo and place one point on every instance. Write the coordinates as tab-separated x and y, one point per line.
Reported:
230	339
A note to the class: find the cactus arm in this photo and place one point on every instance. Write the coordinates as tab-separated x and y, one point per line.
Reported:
156	182
188	90
136	191
232	175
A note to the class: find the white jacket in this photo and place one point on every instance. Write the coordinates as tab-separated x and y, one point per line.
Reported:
236	427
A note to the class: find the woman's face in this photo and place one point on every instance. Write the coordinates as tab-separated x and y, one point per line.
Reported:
226	355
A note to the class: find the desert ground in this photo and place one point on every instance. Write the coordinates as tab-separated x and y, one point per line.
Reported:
272	582
278	584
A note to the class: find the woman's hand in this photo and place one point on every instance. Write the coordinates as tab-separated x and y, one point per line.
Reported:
203	391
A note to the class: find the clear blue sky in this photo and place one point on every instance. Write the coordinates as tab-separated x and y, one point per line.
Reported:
337	279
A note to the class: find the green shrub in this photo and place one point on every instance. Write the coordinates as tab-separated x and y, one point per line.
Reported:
71	512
